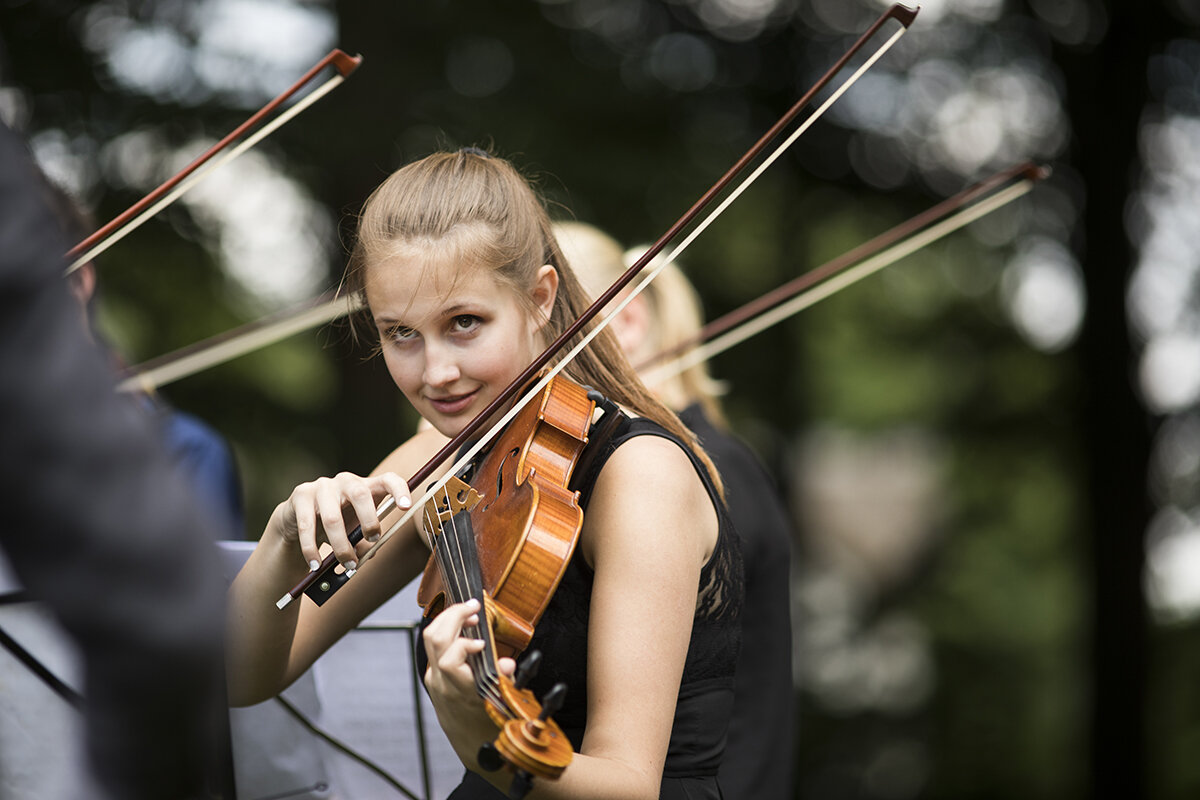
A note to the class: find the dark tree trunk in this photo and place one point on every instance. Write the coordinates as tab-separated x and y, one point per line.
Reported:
1106	95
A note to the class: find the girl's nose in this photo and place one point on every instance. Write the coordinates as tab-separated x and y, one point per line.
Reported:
441	369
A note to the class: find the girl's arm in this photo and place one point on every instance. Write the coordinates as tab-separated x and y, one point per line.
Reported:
267	649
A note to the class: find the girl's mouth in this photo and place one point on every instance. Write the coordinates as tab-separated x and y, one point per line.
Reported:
452	404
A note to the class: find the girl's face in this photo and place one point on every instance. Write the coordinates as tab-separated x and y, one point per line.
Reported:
453	336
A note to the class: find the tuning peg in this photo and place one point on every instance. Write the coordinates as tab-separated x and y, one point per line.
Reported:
489	757
521	784
528	669
553	701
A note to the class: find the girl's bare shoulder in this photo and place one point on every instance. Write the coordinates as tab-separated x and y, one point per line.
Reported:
649	483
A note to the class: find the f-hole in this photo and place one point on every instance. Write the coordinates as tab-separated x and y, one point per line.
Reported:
500	476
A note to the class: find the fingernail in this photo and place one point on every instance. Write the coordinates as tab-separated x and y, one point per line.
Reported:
404	502
373	538
350	566
314	565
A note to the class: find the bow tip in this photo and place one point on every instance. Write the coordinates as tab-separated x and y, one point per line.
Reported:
343	62
903	14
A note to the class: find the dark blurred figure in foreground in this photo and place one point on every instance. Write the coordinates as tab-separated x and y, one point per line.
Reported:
757	764
98	525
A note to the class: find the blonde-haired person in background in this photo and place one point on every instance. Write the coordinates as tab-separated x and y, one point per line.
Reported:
758	756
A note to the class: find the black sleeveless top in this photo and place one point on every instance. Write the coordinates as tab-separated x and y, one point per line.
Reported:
705	701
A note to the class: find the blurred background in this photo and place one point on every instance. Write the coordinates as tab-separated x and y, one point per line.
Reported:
991	451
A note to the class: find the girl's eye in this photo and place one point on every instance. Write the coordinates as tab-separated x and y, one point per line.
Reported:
402	334
465	323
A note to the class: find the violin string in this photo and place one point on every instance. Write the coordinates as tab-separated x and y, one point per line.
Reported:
482	666
462	591
442	545
436	544
453	587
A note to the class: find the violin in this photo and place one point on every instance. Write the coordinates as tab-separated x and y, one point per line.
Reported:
502	532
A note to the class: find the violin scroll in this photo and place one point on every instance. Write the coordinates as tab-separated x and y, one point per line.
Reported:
532	746
529	739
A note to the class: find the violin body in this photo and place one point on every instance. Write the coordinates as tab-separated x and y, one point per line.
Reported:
526	521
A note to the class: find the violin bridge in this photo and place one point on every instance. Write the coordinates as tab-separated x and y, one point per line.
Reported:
455	496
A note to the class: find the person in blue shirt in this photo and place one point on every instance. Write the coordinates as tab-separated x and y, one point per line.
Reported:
196	446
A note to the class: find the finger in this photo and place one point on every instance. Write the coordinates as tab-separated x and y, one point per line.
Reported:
329	502
445	647
306	524
397	487
452	668
447	626
456	654
439	681
362	505
507	666
454	658
381	487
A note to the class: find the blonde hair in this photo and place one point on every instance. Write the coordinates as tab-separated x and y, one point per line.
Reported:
483	208
673	307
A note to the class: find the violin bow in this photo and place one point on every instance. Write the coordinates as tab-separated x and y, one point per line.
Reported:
199	356
831	277
324	581
173	188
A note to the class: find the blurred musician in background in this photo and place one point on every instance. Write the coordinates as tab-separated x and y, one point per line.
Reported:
759	754
199	449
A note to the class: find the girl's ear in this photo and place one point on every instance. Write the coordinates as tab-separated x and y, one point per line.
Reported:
545	290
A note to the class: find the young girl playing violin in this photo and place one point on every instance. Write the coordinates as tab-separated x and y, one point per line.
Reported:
464	285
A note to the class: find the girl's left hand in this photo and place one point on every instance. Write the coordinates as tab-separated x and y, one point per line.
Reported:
451	681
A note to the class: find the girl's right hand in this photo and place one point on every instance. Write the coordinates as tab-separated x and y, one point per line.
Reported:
327	509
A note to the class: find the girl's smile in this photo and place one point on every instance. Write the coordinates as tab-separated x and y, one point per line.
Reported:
452	404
